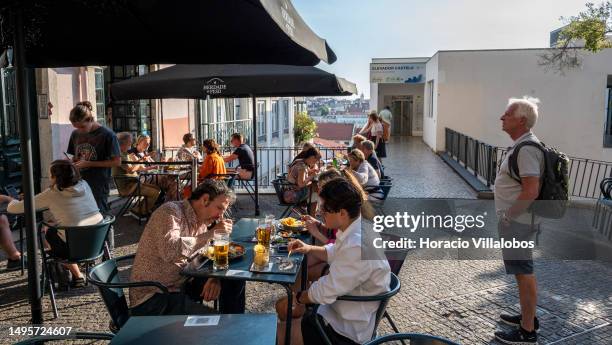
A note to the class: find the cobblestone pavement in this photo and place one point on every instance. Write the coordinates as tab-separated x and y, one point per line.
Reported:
460	300
419	173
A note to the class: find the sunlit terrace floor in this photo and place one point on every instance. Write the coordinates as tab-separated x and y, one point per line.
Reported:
460	300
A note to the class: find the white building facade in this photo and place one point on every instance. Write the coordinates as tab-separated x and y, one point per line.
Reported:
399	84
467	91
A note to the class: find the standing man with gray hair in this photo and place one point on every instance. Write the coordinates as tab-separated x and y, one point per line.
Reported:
513	196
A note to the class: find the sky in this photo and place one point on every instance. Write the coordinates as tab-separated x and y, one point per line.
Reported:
359	30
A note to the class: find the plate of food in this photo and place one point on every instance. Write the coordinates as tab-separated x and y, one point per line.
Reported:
292	224
286	234
236	251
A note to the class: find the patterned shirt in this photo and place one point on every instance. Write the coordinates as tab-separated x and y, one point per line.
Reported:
186	154
170	237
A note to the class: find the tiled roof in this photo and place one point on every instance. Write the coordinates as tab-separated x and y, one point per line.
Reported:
335	131
328	143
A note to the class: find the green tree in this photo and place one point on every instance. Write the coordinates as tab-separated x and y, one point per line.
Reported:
590	27
324	110
304	128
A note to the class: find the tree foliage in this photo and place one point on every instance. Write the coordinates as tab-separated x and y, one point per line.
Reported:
586	32
304	128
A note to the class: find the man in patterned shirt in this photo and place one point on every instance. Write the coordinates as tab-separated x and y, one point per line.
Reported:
175	231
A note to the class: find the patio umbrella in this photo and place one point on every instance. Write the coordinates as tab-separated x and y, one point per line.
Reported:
52	33
222	81
58	33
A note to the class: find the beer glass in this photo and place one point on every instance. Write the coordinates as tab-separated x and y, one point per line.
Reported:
264	232
221	242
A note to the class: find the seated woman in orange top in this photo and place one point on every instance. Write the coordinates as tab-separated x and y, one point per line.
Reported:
213	163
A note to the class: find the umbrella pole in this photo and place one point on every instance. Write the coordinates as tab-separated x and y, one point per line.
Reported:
161	119
23	111
255	168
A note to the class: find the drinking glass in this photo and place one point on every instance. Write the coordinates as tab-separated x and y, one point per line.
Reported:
221	242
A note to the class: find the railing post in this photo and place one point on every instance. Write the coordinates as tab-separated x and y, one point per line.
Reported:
476	150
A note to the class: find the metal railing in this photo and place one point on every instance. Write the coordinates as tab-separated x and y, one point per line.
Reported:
483	161
476	156
271	161
222	131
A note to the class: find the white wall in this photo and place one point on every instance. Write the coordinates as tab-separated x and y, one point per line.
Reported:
474	87
64	88
429	123
385	91
373	96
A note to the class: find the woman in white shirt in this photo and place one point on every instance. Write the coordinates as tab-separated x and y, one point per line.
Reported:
365	174
70	202
374	132
346	322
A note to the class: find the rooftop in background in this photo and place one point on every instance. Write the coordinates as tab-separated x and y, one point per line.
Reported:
328	143
335	131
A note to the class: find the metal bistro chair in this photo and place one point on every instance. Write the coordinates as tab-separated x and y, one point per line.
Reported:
248	185
394	288
229	178
602	218
64	338
415	339
280	187
379	201
131	198
85	244
106	277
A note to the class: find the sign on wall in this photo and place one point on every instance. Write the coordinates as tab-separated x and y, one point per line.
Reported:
397	73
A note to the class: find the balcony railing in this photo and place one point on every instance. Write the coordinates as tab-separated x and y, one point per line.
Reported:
222	131
483	161
271	160
476	156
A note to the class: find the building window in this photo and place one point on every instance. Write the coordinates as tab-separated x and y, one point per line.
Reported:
608	123
275	119
219	110
286	116
130	116
430	105
261	121
100	97
8	112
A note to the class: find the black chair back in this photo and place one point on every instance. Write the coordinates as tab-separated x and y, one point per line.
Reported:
281	186
394	288
106	277
113	297
605	186
86	243
395	257
415	339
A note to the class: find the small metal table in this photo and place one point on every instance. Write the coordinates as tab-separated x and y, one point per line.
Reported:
242	329
243	231
155	173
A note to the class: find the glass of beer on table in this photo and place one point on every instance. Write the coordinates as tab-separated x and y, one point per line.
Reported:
264	233
221	242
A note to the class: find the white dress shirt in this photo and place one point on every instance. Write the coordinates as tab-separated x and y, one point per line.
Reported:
366	175
350	275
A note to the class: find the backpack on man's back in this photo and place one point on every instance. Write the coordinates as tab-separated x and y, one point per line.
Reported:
554	191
